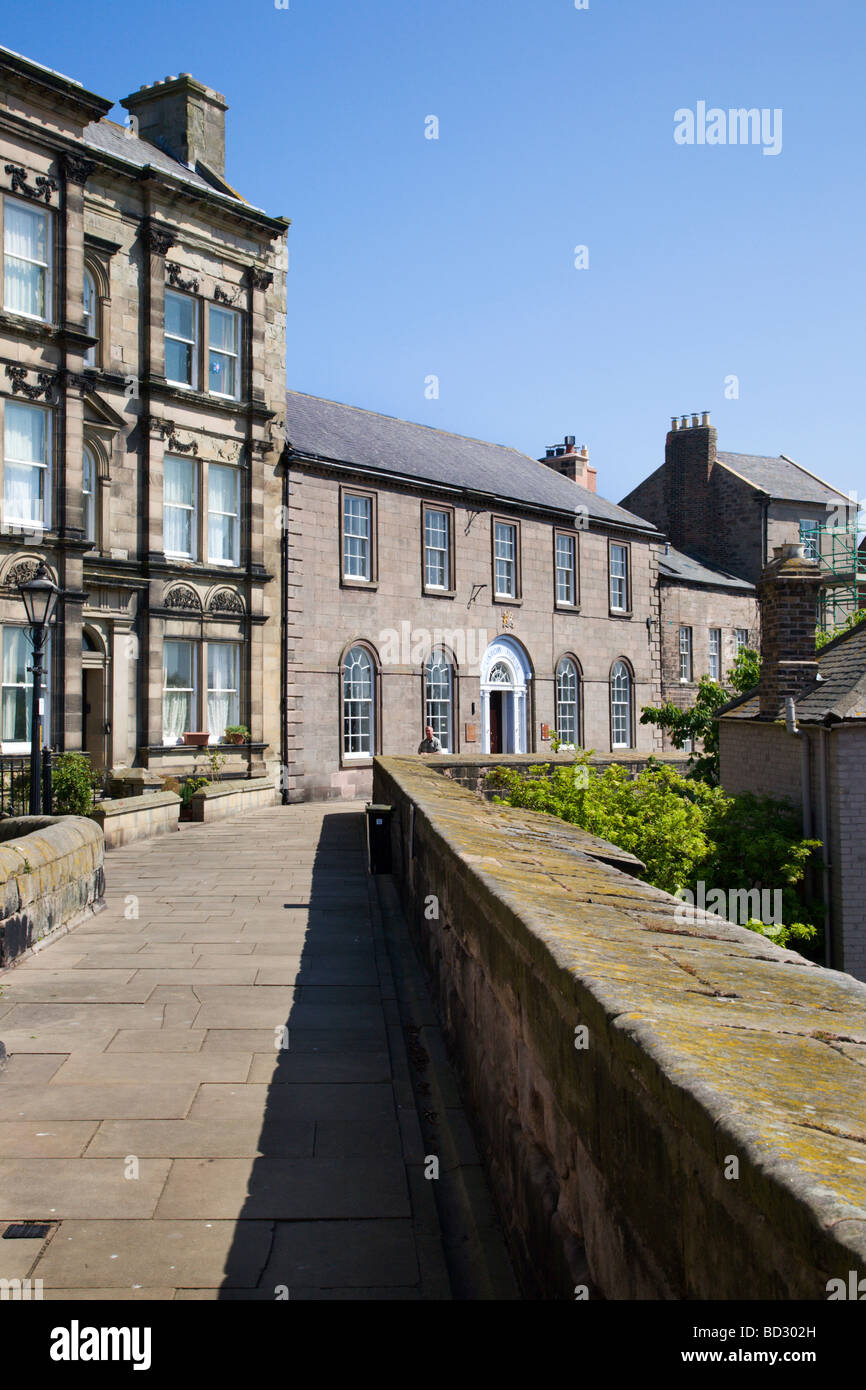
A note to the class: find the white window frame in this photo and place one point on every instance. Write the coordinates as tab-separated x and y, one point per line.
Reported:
88	495
221	352
616	578
567	667
361	754
365	551
741	637
715	658
442	552
809	538
441	721
619	671
215	690
567	572
91	316
27	525
501	556
235	515
192	384
686	655
46	266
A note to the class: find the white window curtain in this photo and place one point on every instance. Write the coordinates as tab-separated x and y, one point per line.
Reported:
223	700
179	506
17	687
25	260
222	522
178	696
25	465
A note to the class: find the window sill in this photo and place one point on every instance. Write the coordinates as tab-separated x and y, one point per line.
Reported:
566	607
507	598
356	760
358	583
620	613
431	591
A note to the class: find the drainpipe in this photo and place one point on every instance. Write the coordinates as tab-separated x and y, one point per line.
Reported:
825	835
284	645
805	769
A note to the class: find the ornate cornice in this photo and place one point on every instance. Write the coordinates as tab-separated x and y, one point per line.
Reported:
259	279
74	381
158	238
77	169
45	383
45	186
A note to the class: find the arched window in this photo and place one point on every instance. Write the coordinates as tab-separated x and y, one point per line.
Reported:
567	721
88	495
90	317
359	678
620	706
439	699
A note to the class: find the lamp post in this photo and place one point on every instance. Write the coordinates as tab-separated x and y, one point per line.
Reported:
40	596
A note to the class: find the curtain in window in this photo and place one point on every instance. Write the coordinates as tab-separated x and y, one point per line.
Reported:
25	243
178	694
17	683
223	704
87	489
222	514
25	446
89	316
178	511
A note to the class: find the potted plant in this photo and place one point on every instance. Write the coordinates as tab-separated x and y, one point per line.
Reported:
197	738
237	733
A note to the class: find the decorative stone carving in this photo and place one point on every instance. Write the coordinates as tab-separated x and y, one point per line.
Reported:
181	446
161	429
44	186
259	279
183	597
21	573
75	382
158	238
78	169
228	450
226	601
18	376
222	296
175	278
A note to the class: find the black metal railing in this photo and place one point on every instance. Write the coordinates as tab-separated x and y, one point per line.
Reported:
15	782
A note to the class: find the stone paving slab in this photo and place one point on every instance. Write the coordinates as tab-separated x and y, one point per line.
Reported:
238	1040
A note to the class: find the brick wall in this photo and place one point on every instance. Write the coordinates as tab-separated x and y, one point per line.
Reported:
700	607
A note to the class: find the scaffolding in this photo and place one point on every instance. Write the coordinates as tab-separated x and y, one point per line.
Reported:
841	552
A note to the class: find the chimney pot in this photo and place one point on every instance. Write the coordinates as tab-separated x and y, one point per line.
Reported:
675	423
705	419
695	421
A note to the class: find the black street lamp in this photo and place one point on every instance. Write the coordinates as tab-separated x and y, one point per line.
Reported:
40	596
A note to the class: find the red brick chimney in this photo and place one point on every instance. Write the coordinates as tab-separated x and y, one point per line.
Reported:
788	593
572	461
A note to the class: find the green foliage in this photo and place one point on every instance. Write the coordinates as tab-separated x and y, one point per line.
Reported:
683	829
238	729
699	722
72	783
215	761
822	637
190	786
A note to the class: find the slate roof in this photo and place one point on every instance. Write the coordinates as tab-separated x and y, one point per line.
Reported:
782	478
327	430
839	695
116	140
685	568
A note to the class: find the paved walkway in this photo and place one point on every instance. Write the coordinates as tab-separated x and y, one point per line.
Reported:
209	1091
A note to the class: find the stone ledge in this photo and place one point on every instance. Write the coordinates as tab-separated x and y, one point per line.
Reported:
706	1043
51	873
128	818
223	799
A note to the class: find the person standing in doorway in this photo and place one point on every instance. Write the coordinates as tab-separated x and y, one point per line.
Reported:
429	743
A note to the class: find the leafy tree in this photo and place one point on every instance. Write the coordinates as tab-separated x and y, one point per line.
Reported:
822	637
685	831
698	722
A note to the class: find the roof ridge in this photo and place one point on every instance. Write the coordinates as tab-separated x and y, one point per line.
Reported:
416	424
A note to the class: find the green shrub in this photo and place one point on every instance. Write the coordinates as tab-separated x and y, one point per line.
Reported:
190	786
72	781
685	831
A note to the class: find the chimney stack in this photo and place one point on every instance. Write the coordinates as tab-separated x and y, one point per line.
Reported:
571	460
690	455
184	118
788	593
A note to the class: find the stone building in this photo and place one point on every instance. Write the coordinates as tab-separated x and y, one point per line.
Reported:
141	390
813	751
434	579
727	510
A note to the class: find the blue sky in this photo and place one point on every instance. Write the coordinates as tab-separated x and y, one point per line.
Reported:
454	257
